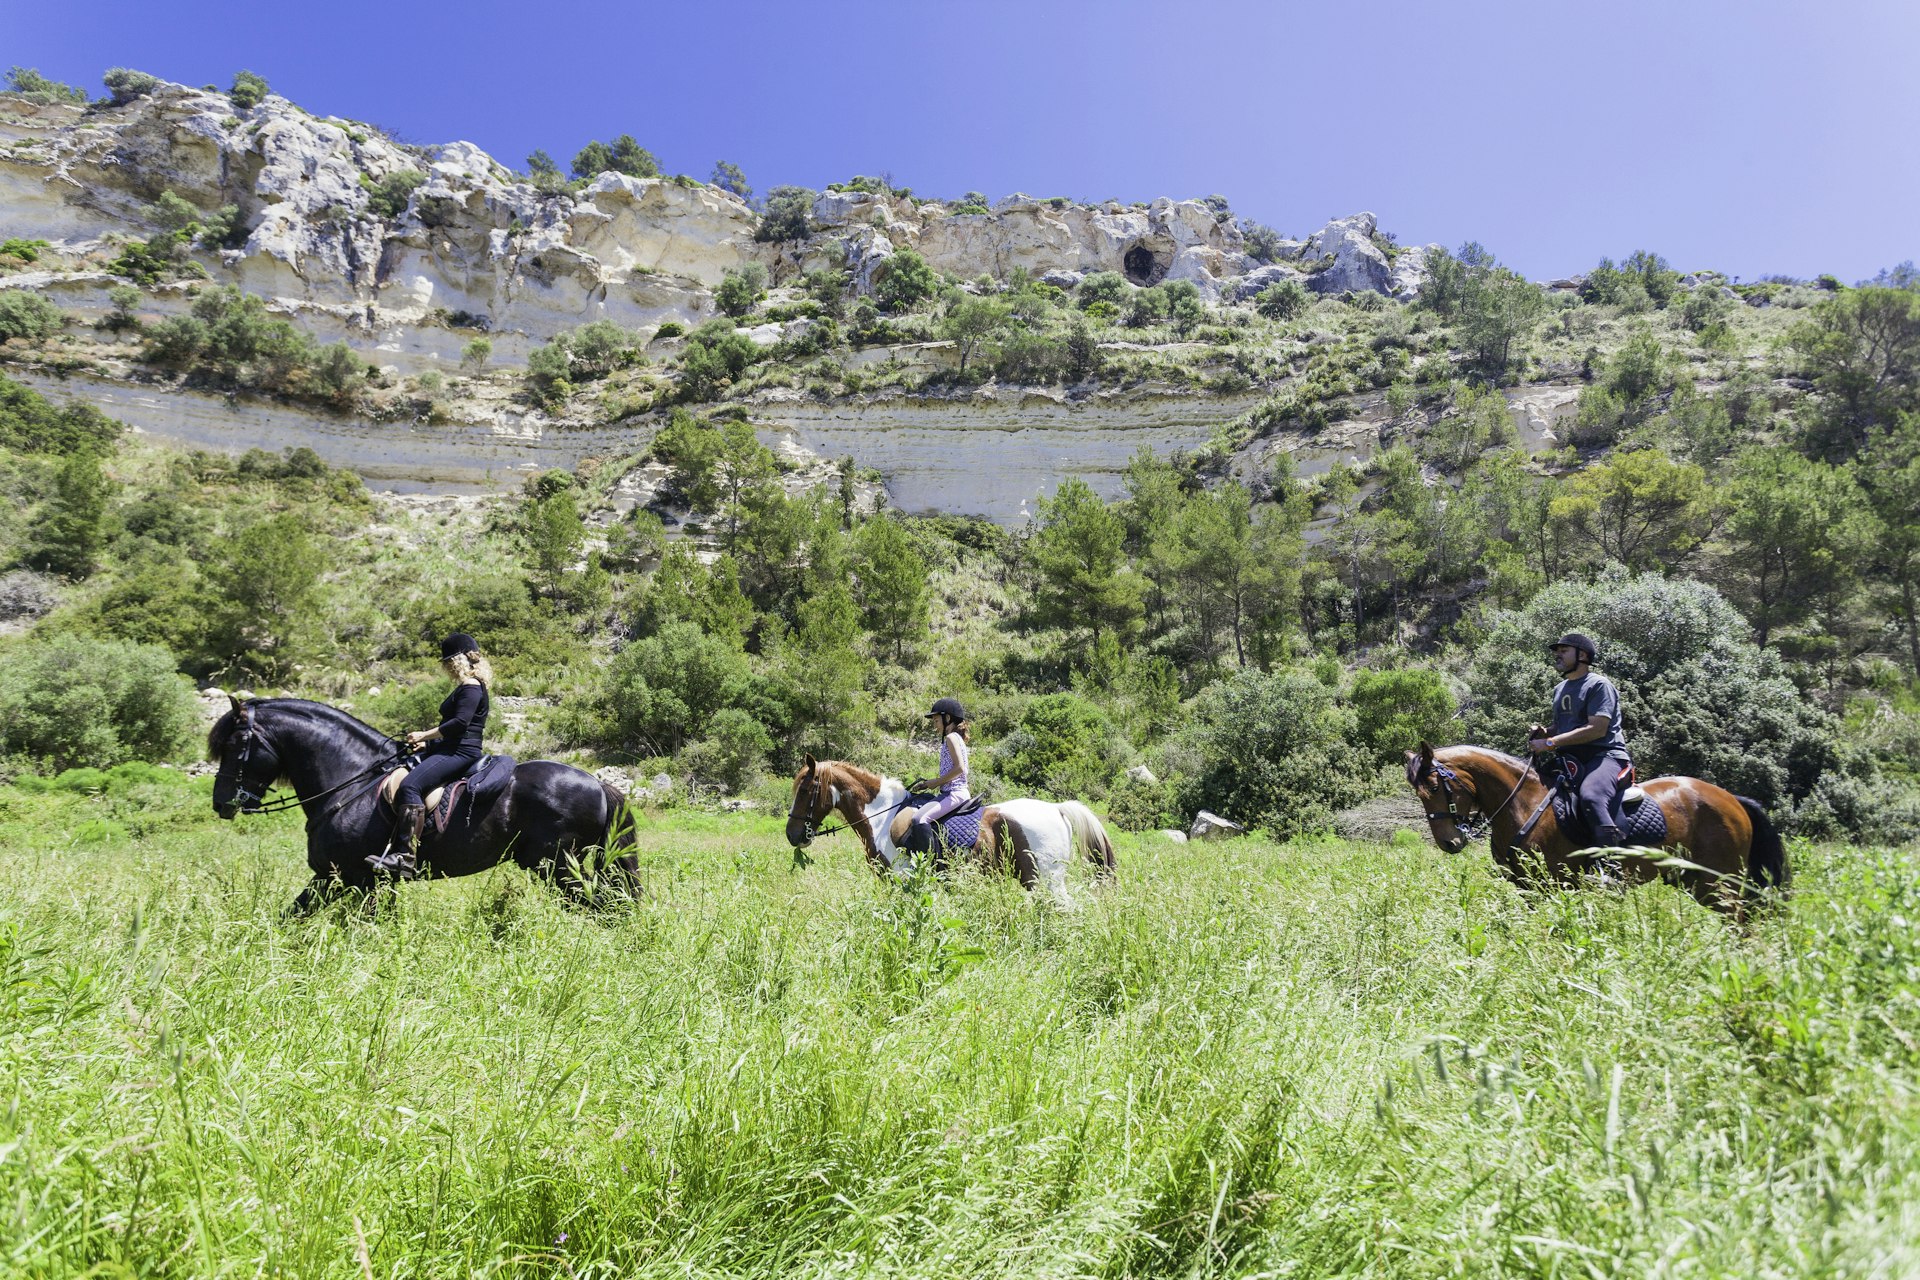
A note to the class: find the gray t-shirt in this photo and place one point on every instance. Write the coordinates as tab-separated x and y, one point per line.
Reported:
1577	701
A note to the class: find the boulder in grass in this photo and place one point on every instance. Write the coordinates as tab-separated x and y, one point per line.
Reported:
1211	826
1176	837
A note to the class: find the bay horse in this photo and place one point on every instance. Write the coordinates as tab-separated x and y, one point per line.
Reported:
549	813
1732	851
1035	839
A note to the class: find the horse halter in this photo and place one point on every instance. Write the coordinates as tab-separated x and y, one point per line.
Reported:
246	732
808	822
1472	828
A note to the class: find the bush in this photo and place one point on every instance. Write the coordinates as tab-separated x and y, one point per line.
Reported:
1103	286
660	689
716	355
125	85
1282	301
388	196
1272	749
249	90
474	356
1395	711
1697	696
28	316
1065	746
29	424
734	749
624	155
906	279
73	700
1264	244
230	337
788	215
36	88
1137	805
21	250
740	290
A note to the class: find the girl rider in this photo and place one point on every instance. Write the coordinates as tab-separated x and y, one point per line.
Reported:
446	751
950	722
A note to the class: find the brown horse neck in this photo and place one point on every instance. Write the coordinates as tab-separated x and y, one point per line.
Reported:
854	789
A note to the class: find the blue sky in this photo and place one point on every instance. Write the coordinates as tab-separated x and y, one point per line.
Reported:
1752	137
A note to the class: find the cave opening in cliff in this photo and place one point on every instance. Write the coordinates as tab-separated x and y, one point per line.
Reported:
1143	265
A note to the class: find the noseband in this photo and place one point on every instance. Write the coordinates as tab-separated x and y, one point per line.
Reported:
249	801
1480	823
808	826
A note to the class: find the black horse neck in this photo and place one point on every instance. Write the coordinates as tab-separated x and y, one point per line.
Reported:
320	747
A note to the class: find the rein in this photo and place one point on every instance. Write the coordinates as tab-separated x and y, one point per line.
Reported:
1475	827
295	800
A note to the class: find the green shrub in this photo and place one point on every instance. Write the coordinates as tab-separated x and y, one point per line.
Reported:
24	250
740	290
474	356
30	424
1282	301
126	85
1264	244
623	155
1271	749
905	279
658	692
1103	286
1137	805
788	215
1065	746
670	329
732	752
1395	711
715	357
71	700
230	337
36	88
28	316
388	196
1643	280
249	90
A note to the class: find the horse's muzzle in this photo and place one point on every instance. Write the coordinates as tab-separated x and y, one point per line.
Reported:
799	836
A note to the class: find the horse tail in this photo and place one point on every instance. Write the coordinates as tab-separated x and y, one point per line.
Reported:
1766	854
1089	834
617	840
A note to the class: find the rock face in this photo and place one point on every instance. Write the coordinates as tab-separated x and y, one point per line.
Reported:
471	237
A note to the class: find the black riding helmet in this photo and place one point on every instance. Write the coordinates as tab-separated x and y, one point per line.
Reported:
456	644
948	707
1573	639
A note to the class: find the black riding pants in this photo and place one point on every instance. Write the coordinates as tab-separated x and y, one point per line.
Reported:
436	769
1600	786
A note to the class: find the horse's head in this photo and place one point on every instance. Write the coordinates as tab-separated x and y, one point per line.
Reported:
248	762
1447	796
812	804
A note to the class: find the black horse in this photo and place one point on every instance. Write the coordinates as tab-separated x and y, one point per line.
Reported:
549	815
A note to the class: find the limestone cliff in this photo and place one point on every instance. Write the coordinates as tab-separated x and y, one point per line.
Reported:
474	238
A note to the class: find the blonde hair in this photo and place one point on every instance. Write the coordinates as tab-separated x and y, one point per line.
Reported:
472	665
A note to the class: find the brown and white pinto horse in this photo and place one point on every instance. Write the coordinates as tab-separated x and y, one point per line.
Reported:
1732	852
1035	839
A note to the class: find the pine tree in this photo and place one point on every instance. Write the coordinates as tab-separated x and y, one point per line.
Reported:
71	532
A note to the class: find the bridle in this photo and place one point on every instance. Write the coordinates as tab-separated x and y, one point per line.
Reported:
819	805
251	801
1480	823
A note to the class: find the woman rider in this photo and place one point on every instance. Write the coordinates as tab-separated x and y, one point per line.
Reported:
446	751
950	722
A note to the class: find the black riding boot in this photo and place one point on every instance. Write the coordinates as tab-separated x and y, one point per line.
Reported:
397	862
1609	837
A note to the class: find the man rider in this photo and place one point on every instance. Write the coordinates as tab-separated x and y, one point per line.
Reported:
1586	731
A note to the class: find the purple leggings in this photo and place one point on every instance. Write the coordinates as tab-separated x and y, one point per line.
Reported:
945	805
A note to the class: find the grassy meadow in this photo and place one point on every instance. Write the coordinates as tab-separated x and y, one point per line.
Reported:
1315	1058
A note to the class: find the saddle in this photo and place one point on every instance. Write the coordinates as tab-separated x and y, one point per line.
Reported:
958	830
470	795
1641	820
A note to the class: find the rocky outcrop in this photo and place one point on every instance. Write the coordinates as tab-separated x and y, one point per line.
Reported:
470	237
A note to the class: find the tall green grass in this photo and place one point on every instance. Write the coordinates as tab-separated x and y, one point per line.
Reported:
1308	1059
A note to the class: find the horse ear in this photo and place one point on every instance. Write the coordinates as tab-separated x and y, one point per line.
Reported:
235	702
1426	754
812	764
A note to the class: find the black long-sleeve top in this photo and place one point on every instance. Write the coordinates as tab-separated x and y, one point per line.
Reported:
463	717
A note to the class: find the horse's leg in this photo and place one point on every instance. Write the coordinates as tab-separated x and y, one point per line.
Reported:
310	899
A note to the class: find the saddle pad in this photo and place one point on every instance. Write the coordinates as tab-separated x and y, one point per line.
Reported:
1643	824
961	828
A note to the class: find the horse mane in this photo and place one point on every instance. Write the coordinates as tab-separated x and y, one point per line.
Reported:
300	707
864	777
1501	756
